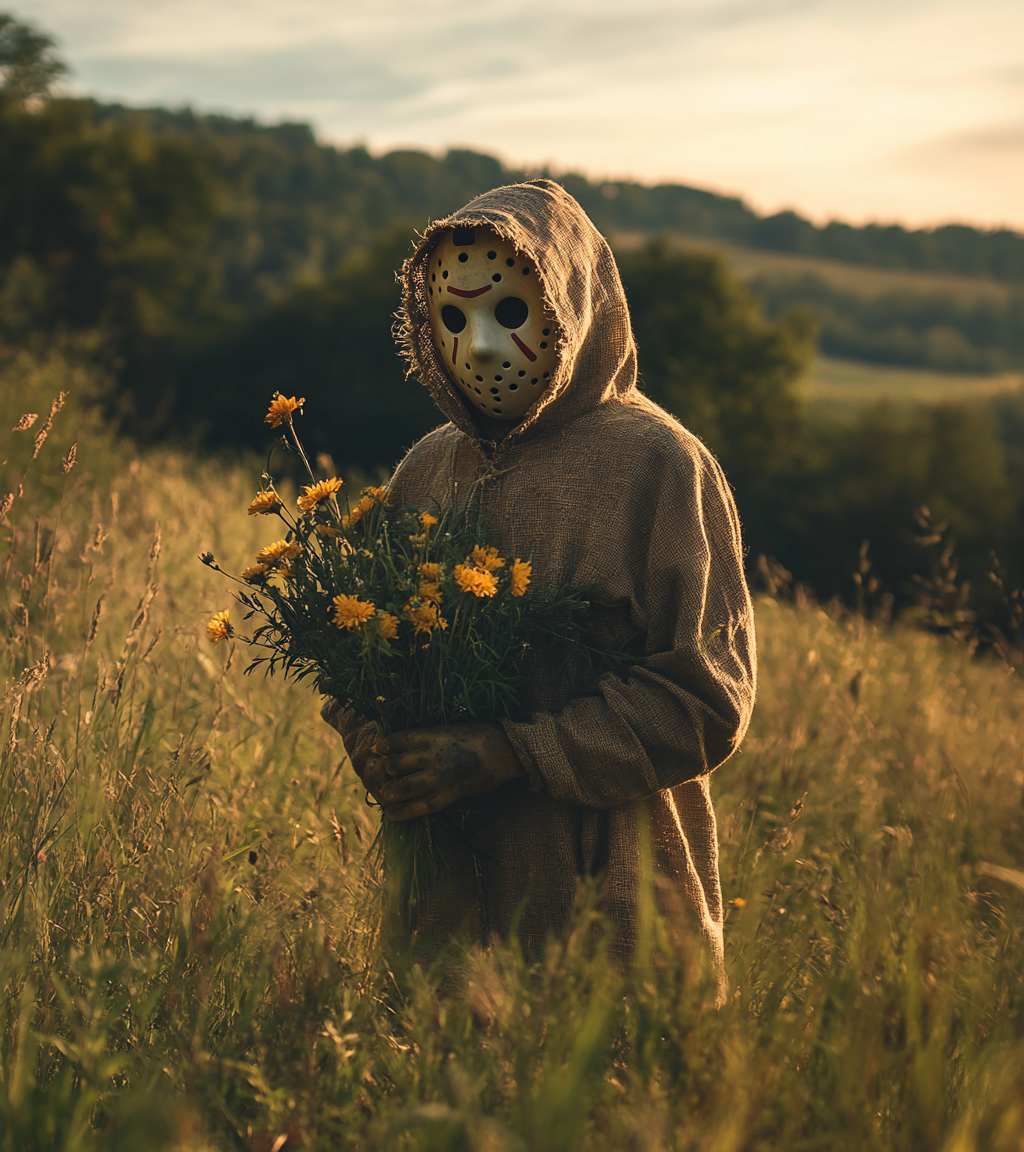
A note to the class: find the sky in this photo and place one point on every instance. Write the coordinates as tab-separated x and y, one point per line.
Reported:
889	110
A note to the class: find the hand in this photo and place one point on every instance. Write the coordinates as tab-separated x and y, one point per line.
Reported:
369	768
424	770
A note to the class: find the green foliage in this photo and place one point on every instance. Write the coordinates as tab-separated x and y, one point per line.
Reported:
331	343
863	479
184	962
28	66
295	209
459	621
101	227
710	358
929	330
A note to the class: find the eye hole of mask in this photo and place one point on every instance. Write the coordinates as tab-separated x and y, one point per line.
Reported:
454	318
511	312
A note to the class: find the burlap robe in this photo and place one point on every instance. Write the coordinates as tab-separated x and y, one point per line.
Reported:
598	486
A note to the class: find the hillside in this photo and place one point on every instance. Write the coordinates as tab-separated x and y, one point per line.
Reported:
840	389
894	316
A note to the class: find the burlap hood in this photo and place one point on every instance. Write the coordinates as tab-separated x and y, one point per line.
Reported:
581	286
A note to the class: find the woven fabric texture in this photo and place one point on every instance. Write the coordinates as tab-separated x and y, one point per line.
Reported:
599	487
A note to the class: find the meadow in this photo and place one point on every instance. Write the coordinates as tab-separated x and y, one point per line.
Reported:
864	280
187	947
839	389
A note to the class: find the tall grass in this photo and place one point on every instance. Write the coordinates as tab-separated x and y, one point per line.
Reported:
186	962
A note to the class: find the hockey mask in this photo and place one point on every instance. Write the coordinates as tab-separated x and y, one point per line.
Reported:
490	325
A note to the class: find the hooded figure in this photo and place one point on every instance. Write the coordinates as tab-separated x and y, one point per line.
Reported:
600	488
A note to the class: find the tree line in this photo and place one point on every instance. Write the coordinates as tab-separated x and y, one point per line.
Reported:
914	329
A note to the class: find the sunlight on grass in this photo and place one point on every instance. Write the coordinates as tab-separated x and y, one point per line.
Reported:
840	387
187	959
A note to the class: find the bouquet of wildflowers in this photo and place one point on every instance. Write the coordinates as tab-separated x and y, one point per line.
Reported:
409	617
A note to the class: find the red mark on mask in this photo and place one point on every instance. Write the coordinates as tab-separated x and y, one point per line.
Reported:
455	350
474	292
522	348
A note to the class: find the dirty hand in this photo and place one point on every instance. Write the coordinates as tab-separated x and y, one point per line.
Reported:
369	768
424	770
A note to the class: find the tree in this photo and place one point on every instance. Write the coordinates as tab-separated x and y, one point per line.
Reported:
331	343
102	226
28	66
711	359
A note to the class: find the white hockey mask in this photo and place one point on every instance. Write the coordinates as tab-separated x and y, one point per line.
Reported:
491	328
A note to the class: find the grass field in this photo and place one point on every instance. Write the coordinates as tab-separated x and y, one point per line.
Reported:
838	388
185	938
861	279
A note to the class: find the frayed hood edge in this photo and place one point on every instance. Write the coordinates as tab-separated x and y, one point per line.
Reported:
580	284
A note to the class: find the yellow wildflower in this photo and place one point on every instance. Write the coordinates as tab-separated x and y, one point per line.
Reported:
359	511
281	409
264	502
378	494
430	593
520	574
278	551
219	627
351	612
431	572
473	580
388	625
486	558
326	531
252	575
314	494
427	521
425	619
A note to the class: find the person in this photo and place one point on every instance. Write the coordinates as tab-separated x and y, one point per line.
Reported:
515	319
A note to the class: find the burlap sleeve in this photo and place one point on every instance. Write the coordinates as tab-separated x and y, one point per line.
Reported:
357	733
683	712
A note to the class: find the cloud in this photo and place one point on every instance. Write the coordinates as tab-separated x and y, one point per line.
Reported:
259	80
